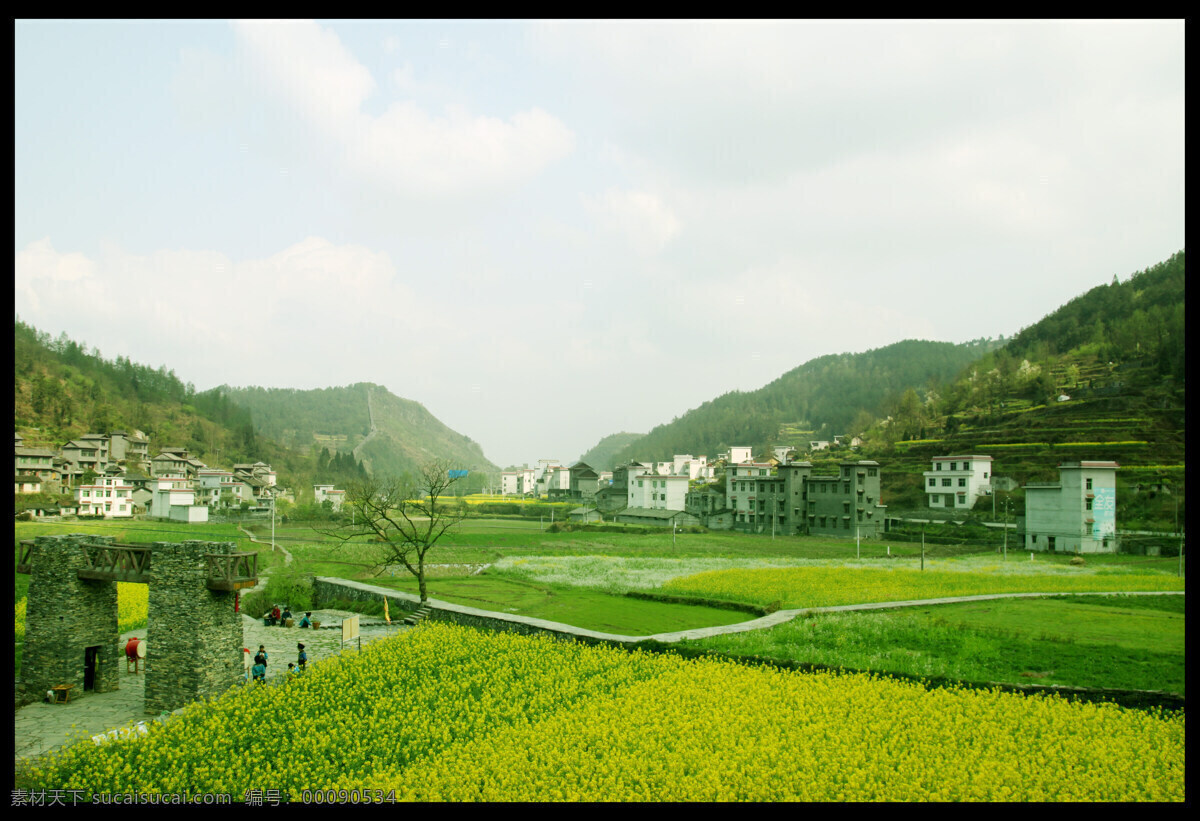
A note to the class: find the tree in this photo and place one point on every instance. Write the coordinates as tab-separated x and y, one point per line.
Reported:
405	516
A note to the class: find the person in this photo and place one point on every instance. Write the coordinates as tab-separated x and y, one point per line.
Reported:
291	669
259	672
261	656
275	614
131	656
307	620
303	659
287	613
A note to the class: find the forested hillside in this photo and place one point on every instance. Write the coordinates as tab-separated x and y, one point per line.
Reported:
825	396
602	455
1102	377
63	389
340	419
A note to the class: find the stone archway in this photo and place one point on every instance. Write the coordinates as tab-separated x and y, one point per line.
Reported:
193	630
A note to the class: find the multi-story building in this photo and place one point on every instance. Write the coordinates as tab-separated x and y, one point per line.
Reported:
37	462
657	492
789	499
1076	514
109	496
957	481
84	454
585	481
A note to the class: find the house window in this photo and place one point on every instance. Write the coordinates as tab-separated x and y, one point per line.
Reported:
932	482
954	465
966	465
870	471
962	482
937	465
1089	484
1087	504
845	487
962	498
945	483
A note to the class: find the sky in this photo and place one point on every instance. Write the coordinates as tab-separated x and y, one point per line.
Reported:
547	232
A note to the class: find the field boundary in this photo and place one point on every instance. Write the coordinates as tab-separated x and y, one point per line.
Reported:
326	587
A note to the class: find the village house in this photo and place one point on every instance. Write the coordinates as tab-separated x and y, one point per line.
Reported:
957	481
788	498
1076	514
108	496
335	497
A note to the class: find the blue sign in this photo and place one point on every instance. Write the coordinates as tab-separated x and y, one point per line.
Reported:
457	474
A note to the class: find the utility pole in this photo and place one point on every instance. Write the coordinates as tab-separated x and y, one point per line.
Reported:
1006	530
857	544
272	522
922	547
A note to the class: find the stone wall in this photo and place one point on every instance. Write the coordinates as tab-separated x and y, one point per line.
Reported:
326	589
194	636
64	616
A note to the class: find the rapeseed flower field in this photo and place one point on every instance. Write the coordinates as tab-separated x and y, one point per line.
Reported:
450	713
799	587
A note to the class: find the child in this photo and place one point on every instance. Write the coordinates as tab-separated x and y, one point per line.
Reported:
307	620
259	671
303	659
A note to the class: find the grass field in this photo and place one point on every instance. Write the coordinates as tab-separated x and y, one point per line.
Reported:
579	578
1125	642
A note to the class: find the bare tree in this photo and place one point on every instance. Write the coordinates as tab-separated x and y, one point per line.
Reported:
405	516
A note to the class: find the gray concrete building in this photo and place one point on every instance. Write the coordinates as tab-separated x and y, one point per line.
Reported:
1076	514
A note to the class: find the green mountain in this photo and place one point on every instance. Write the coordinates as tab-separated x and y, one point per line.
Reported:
601	456
390	435
825	396
1100	378
63	389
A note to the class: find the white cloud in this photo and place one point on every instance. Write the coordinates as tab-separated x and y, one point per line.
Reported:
407	148
640	216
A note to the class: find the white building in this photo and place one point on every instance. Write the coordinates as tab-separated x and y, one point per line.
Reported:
336	497
108	496
173	498
957	481
739	454
510	482
658	491
1076	514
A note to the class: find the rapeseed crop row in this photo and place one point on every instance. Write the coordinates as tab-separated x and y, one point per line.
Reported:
797	587
449	713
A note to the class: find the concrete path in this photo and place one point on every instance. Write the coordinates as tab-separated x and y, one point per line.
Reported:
41	727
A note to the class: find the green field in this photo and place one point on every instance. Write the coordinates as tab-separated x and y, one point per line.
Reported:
1124	642
580	578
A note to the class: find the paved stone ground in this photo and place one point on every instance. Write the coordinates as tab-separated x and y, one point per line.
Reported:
41	727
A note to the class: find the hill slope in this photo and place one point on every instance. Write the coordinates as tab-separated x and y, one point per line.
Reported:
602	455
1116	351
389	434
819	398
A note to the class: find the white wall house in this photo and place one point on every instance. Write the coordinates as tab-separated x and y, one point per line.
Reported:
738	455
1076	514
323	492
175	499
108	496
957	481
658	491
510	482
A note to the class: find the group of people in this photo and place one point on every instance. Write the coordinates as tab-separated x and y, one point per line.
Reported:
259	671
280	617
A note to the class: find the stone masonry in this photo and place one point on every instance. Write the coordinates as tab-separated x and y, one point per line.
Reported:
194	634
66	615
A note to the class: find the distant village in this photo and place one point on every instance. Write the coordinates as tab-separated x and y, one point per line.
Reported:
778	493
113	476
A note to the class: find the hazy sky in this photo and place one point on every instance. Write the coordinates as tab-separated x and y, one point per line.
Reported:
550	232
